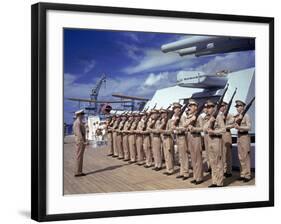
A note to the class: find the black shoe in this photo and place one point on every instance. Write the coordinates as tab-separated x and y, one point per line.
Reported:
193	181
154	168
246	180
114	156
169	174
213	185
120	158
185	178
199	182
241	178
131	162
158	168
80	175
126	160
146	166
110	154
227	175
140	164
179	176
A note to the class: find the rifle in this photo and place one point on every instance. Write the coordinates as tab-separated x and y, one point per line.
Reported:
238	121
212	124
229	104
199	111
181	113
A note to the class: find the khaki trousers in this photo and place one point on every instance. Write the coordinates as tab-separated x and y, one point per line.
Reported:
227	152
110	143
147	150
115	147
195	148
120	146
244	148
183	156
132	147
80	148
140	152
168	151
206	137
156	150
216	160
126	146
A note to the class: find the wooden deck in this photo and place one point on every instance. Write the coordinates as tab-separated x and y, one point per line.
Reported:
107	174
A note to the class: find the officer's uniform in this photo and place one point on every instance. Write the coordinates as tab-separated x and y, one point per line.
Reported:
195	145
80	141
244	145
205	119
156	143
109	137
227	145
139	142
114	136
168	147
119	141
147	145
215	149
126	141
132	142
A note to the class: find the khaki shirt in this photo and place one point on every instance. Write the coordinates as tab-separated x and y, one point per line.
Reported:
246	123
79	130
219	127
198	127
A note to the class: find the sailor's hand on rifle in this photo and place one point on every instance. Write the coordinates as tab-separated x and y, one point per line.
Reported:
210	131
190	127
212	119
236	126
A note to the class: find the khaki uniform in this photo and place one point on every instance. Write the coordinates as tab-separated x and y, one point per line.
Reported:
195	147
156	145
119	141
147	146
168	148
126	141
215	150
80	140
114	137
109	139
205	119
132	143
244	147
182	147
227	145
139	143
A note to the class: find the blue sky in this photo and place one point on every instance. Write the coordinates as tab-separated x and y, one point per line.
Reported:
133	63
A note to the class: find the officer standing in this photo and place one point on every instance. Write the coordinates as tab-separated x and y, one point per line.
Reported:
147	141
80	140
114	135
205	117
139	140
119	137
109	124
215	145
132	140
227	141
167	142
243	141
180	132
195	127
125	138
155	140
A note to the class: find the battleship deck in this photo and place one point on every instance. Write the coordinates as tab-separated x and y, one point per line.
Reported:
107	174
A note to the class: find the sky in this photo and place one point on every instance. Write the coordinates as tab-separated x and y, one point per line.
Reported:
132	62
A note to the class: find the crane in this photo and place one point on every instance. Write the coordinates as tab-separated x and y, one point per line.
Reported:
95	91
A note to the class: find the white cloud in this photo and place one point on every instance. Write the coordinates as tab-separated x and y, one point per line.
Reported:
154	59
89	65
152	79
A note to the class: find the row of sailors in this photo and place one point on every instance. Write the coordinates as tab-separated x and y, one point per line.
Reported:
132	139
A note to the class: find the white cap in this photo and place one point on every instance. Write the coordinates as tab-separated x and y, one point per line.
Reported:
79	112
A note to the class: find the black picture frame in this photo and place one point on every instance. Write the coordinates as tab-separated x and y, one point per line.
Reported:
39	122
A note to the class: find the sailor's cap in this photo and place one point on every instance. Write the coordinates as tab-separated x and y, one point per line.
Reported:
209	103
79	112
176	105
224	103
154	111
163	111
239	103
192	102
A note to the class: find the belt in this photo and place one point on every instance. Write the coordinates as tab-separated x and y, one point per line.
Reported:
196	134
166	135
156	135
181	134
243	132
215	136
